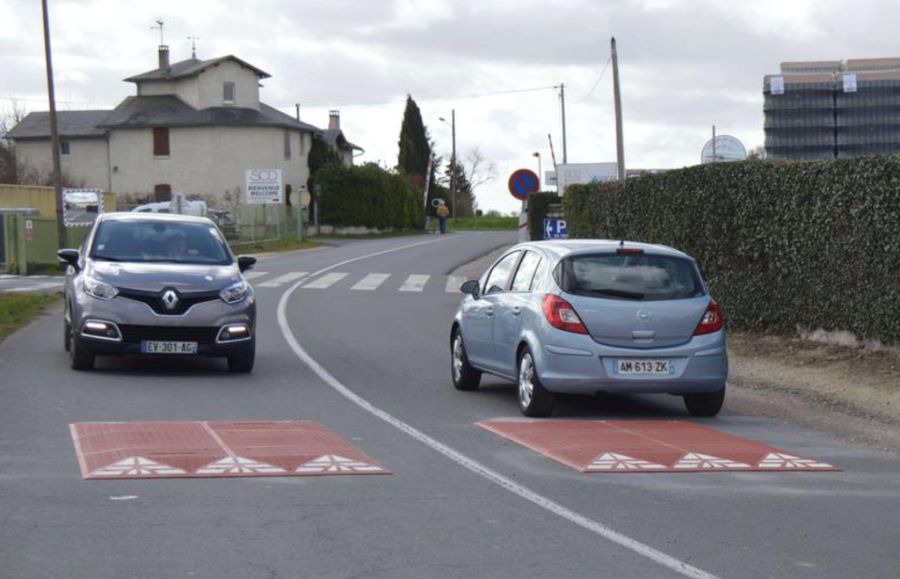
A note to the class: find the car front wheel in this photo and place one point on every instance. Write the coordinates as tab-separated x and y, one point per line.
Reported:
704	404
534	400
465	377
242	363
80	358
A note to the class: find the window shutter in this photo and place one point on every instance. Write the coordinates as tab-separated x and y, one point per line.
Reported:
161	142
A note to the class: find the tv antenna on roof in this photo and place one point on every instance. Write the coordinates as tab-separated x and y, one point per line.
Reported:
159	26
193	40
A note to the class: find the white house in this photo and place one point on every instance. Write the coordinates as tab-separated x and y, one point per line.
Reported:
194	127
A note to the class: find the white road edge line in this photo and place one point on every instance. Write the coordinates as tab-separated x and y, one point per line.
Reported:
463	460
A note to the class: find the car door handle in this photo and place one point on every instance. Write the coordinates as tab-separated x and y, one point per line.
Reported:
516	311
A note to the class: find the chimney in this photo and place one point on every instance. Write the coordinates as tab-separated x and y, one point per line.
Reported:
163	57
334	120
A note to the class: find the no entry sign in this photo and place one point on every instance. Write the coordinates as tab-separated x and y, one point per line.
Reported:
522	182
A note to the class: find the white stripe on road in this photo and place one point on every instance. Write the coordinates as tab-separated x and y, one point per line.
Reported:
414	283
453	283
326	281
371	281
463	460
254	274
36	287
283	279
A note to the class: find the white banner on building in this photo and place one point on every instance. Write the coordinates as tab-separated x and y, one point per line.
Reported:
264	186
849	83
573	173
81	206
776	85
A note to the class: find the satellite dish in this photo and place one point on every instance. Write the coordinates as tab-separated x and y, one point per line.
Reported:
727	149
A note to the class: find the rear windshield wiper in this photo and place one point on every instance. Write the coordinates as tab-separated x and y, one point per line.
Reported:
613	292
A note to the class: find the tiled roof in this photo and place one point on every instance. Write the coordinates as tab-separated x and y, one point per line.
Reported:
71	124
191	67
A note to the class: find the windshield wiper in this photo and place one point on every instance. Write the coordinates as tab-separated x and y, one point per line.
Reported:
105	258
606	291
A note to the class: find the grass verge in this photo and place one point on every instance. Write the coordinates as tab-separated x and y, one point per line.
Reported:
17	310
272	246
476	223
383	234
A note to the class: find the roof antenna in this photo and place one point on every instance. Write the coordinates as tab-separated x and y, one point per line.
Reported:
193	40
159	25
622	243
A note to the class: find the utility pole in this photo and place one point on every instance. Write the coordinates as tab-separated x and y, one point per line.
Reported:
54	135
714	145
562	105
552	152
617	93
453	179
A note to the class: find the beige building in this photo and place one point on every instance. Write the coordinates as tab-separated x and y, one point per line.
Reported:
194	127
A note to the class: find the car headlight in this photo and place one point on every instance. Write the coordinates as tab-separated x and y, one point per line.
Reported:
235	292
98	289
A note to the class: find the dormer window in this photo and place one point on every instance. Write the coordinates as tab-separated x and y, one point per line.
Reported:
228	93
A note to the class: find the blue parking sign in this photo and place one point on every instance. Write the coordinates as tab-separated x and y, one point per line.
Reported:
555	229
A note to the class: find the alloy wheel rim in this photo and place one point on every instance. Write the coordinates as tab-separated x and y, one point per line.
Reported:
526	385
457	358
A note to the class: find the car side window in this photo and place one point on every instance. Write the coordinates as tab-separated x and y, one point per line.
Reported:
499	276
525	273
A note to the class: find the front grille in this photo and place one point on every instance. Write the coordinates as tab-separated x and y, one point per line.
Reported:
154	300
134	334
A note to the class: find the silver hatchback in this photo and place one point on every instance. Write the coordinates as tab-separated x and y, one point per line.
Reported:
590	316
157	285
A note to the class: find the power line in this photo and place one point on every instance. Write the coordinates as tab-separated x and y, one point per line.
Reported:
593	88
434	99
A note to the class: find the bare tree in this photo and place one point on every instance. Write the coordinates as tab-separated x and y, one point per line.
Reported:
477	170
757	154
9	167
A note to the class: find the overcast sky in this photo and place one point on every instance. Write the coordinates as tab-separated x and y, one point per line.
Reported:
684	64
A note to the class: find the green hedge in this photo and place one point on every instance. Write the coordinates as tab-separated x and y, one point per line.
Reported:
783	245
367	196
538	205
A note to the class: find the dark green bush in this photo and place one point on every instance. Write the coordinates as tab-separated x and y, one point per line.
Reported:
538	205
783	245
368	196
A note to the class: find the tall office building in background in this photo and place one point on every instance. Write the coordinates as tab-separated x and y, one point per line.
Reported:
833	109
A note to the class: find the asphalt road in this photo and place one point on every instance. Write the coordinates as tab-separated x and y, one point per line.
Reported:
373	367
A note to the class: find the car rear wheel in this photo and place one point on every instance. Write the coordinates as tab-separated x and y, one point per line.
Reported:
242	363
465	377
705	404
534	400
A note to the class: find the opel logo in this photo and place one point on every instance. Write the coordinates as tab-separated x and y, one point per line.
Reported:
644	315
170	299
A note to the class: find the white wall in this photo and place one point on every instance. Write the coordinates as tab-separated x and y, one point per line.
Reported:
204	160
211	81
84	165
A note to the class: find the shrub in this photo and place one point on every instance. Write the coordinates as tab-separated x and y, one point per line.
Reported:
783	245
538	207
368	196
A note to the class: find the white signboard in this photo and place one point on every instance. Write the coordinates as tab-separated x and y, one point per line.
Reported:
776	85
264	186
581	173
81	206
550	178
849	83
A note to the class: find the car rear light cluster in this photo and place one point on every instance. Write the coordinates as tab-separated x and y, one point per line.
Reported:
562	316
711	321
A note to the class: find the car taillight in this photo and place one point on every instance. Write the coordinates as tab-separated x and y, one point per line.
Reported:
712	320
562	315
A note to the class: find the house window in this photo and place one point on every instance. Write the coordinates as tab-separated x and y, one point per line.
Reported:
287	144
162	192
228	92
161	142
64	148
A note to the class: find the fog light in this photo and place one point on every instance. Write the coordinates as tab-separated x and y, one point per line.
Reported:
102	330
234	332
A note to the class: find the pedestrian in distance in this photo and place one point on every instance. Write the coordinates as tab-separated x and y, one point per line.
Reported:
442	213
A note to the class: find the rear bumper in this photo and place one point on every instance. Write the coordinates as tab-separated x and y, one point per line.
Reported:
587	367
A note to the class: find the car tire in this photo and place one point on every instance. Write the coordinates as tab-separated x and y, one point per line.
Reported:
534	400
242	363
464	376
67	330
704	404
79	357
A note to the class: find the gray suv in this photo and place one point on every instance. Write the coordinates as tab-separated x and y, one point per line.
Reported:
158	285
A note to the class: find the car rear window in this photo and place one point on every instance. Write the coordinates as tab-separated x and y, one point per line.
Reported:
629	276
160	242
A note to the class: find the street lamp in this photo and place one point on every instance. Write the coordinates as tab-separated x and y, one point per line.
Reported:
538	155
453	167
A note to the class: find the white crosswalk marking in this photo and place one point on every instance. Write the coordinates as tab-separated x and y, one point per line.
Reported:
415	283
453	283
283	279
325	281
371	281
254	274
37	287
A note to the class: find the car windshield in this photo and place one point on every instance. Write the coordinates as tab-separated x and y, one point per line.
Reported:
160	242
636	276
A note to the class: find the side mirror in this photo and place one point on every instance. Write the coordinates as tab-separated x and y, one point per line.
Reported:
69	256
246	262
471	287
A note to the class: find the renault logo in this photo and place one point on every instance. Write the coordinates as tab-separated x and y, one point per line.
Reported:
170	299
644	315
